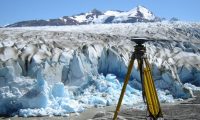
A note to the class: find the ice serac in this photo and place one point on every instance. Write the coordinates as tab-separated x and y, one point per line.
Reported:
59	70
37	97
77	72
111	61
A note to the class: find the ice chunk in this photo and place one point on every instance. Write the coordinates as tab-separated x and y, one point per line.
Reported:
32	112
37	97
180	92
40	56
8	74
8	53
96	100
58	90
110	77
165	96
191	87
8	43
71	106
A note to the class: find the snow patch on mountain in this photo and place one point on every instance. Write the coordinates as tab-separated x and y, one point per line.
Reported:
115	16
138	14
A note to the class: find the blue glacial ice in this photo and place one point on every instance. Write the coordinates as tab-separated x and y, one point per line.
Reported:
48	71
43	99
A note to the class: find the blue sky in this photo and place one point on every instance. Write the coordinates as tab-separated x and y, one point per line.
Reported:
17	10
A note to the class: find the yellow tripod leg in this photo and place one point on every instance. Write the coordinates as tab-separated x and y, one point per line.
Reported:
153	104
124	88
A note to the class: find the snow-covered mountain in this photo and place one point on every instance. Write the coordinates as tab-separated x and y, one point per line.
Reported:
58	70
138	14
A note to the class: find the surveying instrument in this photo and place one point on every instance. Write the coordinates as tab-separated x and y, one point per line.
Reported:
149	93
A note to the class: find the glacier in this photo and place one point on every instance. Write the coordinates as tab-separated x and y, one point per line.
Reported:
61	70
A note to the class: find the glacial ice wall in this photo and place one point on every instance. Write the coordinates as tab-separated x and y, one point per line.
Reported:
52	71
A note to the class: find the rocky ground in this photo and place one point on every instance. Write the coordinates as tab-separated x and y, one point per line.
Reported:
186	110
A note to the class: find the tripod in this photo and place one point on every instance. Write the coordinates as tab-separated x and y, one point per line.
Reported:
148	88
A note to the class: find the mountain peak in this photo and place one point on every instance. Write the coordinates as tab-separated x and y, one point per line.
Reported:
142	12
140	7
96	12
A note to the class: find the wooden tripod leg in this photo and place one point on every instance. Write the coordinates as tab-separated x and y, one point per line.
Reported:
124	87
151	93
